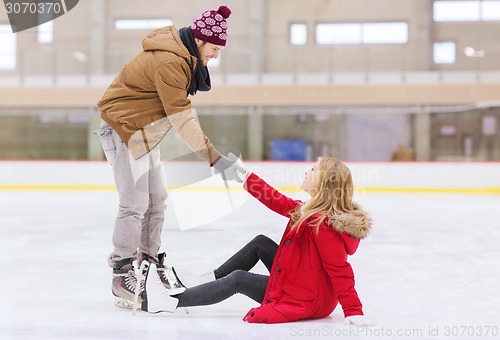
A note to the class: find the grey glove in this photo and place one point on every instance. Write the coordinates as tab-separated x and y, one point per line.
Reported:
230	167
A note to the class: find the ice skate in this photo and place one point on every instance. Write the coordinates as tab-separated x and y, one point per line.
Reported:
124	284
156	297
189	280
166	274
168	277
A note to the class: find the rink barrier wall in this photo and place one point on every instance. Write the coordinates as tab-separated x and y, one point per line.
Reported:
369	177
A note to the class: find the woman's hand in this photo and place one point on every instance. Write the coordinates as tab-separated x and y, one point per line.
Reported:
358	320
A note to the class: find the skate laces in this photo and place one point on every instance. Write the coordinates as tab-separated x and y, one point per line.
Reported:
166	274
207	274
130	280
163	291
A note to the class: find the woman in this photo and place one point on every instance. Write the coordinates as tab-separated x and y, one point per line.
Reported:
309	272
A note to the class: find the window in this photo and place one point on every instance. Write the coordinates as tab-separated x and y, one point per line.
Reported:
385	33
445	53
468	10
456	11
490	10
45	29
8	52
298	34
338	34
362	33
46	32
141	24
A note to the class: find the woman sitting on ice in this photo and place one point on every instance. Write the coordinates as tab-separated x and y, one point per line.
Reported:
309	272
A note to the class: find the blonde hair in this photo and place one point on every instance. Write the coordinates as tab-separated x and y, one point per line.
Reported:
333	196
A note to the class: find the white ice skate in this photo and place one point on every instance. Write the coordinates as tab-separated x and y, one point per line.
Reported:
189	280
156	297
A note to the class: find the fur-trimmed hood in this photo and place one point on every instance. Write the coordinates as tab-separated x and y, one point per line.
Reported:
356	223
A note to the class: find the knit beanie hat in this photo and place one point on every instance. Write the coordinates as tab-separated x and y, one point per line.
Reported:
211	26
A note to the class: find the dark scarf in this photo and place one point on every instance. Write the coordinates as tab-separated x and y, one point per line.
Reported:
200	79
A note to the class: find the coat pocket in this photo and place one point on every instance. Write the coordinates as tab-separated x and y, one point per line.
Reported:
108	144
298	293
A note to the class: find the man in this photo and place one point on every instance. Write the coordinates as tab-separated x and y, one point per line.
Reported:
147	98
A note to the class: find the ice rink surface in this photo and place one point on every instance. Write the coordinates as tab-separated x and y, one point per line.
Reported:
428	270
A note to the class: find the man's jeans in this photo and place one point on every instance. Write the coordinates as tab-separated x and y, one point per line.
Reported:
142	194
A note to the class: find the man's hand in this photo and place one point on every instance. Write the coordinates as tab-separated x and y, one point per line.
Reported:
231	168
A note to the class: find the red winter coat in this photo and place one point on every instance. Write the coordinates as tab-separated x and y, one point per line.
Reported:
310	272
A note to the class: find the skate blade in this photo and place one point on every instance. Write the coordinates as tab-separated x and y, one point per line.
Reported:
123	303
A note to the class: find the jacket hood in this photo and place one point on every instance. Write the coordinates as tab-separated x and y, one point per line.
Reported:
166	39
356	223
353	226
